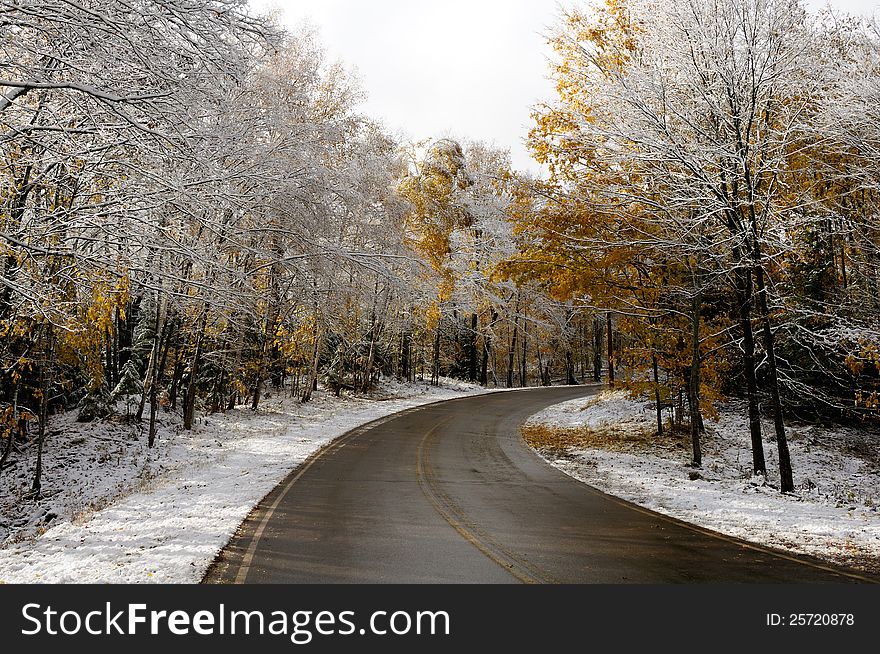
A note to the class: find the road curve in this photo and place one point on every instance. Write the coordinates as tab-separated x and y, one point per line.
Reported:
450	493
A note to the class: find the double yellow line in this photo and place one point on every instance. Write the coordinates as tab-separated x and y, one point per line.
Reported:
446	507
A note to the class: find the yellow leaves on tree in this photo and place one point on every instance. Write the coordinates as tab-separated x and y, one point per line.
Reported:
83	334
590	45
432	191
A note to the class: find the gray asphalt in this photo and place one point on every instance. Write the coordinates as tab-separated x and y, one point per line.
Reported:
449	493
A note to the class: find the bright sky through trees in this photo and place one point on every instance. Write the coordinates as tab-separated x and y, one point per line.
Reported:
468	68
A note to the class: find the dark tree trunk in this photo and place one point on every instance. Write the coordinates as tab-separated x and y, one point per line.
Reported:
435	359
584	358
116	361
487	352
154	407
472	364
785	470
166	347
312	382
154	389
258	388
41	432
694	381
541	371
610	348
597	350
570	378
367	381
786	479
679	410
404	356
150	378
268	338
176	377
657	401
744	300
375	331
108	356
511	358
738	229
189	400
255	395
218	394
9	442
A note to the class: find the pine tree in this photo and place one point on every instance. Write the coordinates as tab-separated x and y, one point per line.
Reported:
130	382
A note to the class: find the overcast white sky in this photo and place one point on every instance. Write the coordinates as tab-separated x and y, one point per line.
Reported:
471	69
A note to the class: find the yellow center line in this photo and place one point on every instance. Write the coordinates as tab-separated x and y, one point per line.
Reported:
443	504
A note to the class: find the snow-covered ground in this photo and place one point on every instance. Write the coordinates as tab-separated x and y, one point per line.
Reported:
114	511
608	442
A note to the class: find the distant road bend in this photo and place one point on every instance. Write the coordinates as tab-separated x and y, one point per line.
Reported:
450	493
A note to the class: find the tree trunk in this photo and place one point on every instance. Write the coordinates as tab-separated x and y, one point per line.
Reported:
176	376
404	356
511	358
523	377
154	407
166	347
597	350
435	358
108	356
189	400
12	430
785	471
744	300
584	358
367	381
41	432
694	379
313	368
258	387
154	381
570	378
657	392
679	409
472	364
268	338
610	326
540	364
153	364
116	362
487	352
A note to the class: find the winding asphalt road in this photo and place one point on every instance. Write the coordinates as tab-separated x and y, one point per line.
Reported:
449	492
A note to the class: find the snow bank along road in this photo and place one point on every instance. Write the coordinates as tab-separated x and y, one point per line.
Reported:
449	492
205	482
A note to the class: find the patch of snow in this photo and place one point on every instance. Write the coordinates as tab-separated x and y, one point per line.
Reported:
115	511
832	514
606	409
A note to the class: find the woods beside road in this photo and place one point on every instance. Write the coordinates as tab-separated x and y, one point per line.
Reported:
196	213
